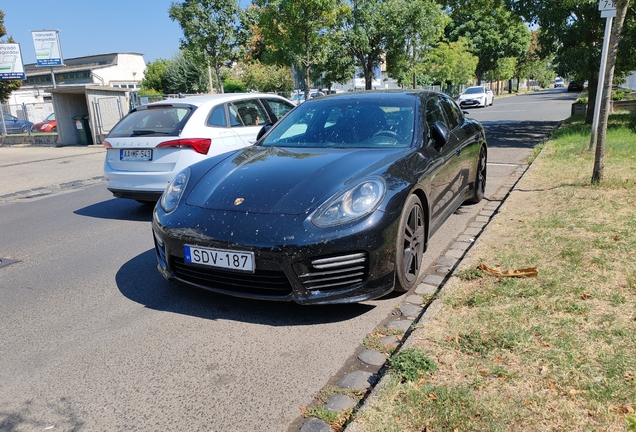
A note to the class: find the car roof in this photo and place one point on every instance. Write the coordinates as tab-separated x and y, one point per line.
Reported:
372	94
213	98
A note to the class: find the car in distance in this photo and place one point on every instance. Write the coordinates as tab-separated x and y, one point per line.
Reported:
49	124
559	82
15	125
334	204
575	86
152	143
477	96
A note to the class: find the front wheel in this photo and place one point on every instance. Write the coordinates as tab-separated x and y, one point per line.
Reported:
411	240
479	189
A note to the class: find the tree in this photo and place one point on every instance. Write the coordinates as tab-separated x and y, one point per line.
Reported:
621	12
211	32
571	33
452	63
494	31
6	87
531	65
294	31
416	28
365	31
264	78
155	76
185	75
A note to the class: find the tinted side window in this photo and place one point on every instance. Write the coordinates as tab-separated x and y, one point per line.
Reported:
217	117
434	113
453	113
279	108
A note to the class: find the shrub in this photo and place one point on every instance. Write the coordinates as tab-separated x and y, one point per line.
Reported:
412	364
234	86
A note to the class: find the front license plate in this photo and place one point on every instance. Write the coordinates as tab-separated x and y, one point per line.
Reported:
220	258
135	155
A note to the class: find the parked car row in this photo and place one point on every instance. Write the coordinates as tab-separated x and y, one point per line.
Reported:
14	125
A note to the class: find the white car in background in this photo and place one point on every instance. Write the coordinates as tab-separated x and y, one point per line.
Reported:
152	143
477	96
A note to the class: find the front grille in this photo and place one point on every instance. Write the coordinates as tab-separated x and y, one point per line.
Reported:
336	272
272	283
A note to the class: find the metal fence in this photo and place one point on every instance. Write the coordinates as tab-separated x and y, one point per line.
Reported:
26	115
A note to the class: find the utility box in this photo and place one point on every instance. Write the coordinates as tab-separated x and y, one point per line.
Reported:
83	130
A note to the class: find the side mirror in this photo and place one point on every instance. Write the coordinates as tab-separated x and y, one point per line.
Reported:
440	134
264	130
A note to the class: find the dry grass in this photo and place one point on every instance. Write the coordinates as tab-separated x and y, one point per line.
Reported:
551	353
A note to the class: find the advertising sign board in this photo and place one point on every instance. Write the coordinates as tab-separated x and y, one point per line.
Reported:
48	51
11	67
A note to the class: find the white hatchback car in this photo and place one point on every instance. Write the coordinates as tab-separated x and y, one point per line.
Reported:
477	96
152	143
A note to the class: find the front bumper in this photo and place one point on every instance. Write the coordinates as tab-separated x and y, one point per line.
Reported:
468	103
294	260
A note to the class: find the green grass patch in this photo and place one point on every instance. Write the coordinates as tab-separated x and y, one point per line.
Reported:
549	353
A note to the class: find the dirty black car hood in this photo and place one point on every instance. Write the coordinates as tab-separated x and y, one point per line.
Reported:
274	180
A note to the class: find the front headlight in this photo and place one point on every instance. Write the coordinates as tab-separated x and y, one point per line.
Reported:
351	204
174	191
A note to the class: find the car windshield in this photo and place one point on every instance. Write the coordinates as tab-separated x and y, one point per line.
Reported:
474	90
154	120
361	122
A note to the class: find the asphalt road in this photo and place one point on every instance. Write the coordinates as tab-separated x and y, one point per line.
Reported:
93	338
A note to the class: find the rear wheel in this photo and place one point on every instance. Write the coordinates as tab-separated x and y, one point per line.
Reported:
410	245
480	179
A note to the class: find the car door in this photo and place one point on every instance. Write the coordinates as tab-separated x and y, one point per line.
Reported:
447	180
221	123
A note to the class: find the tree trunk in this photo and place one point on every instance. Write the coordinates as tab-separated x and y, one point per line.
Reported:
592	84
368	74
599	159
219	81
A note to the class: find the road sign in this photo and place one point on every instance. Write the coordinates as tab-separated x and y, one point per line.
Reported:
606	5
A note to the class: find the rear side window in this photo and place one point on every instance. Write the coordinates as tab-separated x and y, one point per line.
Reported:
153	121
217	117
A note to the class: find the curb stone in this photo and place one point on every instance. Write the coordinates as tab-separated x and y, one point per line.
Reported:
422	311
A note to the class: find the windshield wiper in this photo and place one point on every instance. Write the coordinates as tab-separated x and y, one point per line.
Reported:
149	132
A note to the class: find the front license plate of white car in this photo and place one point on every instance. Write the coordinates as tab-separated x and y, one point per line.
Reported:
220	258
135	155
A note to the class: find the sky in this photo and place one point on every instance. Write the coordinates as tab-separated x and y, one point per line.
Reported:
92	27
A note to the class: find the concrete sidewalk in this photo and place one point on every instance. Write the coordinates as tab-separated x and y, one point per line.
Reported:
32	170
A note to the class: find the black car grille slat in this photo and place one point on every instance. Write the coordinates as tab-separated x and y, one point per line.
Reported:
262	282
336	271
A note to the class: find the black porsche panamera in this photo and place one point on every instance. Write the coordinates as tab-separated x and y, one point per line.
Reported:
334	204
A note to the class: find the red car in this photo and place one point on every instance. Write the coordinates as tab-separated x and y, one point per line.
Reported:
48	125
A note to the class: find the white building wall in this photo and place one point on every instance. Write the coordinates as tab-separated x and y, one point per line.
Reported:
129	69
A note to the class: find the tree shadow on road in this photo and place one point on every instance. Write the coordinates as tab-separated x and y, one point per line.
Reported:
140	281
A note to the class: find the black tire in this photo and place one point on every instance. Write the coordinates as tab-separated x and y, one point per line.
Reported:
480	178
23	130
411	240
54	129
